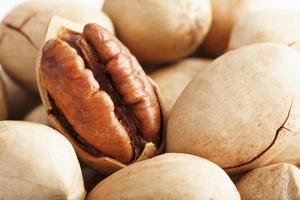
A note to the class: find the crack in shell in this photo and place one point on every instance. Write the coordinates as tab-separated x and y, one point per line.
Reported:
273	141
27	19
19	30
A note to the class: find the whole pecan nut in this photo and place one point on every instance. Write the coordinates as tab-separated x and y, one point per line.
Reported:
100	94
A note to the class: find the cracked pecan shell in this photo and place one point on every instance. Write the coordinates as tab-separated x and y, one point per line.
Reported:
99	95
23	32
165	31
243	109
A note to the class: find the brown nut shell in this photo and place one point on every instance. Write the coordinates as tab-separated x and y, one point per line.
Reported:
169	176
243	109
277	181
63	78
160	31
23	31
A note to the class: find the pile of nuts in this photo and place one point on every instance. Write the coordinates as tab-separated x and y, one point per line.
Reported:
186	99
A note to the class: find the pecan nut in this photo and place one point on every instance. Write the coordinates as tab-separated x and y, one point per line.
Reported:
100	94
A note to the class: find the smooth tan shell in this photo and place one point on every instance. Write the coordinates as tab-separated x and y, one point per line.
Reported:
19	101
278	181
167	177
3	98
18	49
228	12
37	162
105	165
267	26
37	115
158	31
242	110
173	78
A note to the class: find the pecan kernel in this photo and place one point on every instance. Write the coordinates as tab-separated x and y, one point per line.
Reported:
102	92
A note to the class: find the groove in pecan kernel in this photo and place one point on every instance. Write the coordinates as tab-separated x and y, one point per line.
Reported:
129	79
103	93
